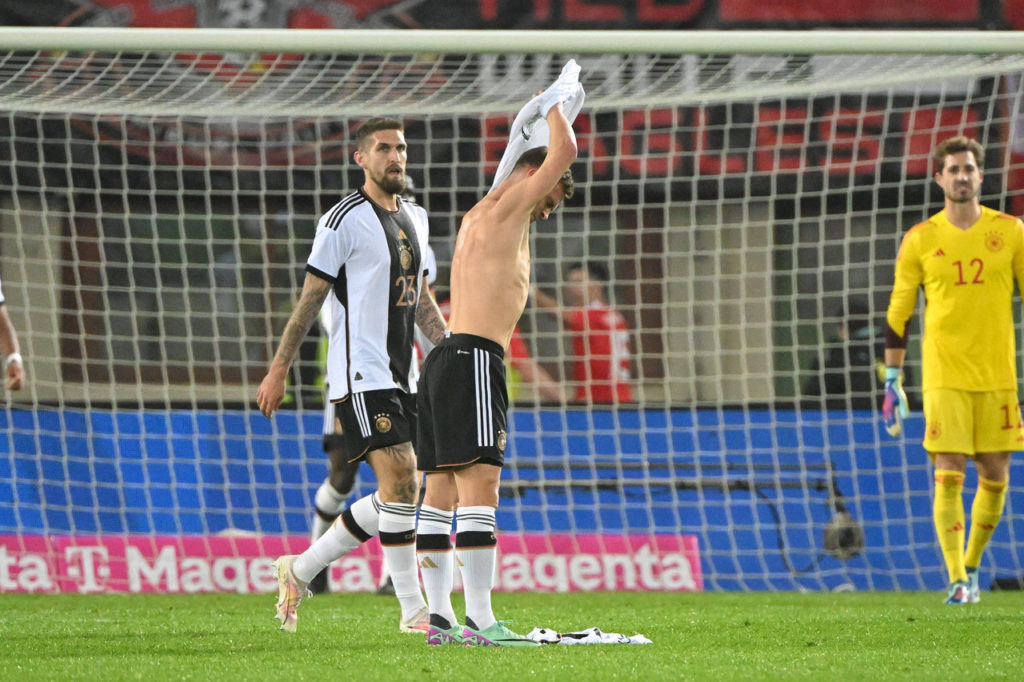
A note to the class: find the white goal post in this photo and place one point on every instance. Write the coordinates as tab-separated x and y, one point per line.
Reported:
745	190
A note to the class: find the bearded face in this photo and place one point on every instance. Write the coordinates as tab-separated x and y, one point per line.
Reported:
392	181
383	158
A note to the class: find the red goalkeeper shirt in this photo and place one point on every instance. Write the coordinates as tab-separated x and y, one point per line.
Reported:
601	346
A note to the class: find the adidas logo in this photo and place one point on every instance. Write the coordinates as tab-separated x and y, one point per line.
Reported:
939	252
358	377
427	563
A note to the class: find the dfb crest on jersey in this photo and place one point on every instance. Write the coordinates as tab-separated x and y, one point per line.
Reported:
404	250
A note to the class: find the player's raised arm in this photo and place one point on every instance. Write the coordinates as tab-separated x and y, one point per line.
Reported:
561	152
530	128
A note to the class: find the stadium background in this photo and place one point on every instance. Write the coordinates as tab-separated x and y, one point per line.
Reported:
214	500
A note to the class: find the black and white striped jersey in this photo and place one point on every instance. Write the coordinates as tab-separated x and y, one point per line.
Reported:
374	259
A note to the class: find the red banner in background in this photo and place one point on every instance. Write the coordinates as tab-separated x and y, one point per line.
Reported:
676	12
779	137
530	14
832	12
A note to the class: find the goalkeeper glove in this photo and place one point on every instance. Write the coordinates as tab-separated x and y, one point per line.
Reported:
894	407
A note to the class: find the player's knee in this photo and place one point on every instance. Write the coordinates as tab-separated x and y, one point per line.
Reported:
404	489
440	491
479	498
343	484
343	479
395	467
994	466
394	461
478	485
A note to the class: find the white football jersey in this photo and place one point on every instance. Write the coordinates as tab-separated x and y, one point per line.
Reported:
374	260
2	299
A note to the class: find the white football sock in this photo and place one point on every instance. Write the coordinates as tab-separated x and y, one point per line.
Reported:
436	560
398	541
339	539
477	550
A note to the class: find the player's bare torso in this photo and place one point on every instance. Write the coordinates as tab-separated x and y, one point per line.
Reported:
490	276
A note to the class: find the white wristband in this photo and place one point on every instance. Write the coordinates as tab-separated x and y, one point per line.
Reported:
13	357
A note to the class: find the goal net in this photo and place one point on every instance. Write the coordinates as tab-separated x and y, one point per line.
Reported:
745	192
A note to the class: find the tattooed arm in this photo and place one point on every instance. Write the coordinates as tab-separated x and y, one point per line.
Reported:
428	316
271	391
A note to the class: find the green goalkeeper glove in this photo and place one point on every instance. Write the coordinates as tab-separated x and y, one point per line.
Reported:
894	407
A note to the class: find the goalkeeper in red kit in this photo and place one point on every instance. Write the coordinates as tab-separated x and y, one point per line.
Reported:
966	257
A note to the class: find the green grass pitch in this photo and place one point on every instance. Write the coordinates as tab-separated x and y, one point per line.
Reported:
712	636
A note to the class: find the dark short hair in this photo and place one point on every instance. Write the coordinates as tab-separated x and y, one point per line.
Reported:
374	125
594	270
533	158
955	145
